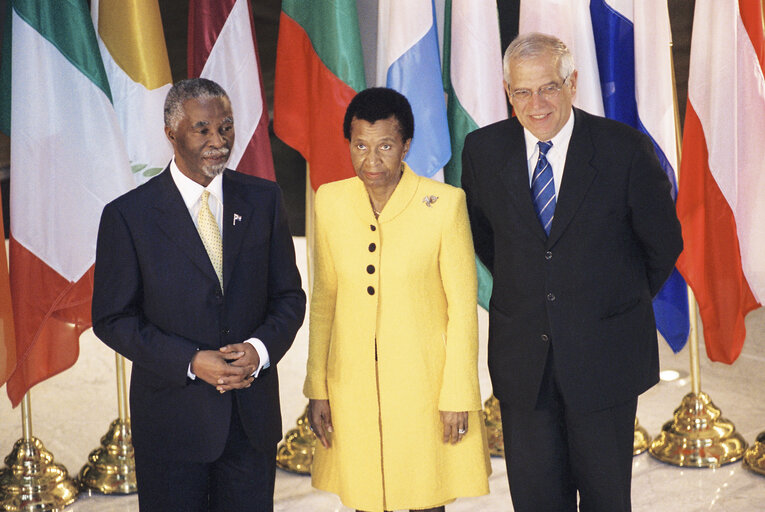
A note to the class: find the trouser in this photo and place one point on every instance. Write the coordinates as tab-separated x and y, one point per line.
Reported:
553	452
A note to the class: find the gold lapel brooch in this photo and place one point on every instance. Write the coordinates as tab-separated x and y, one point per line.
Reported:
429	200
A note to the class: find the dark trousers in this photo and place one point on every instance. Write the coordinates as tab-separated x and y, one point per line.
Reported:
553	451
241	479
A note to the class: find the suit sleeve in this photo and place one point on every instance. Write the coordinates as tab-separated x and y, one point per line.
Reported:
654	218
322	313
483	235
459	388
116	309
286	299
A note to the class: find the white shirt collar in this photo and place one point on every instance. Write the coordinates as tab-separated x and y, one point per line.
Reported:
560	141
556	155
191	191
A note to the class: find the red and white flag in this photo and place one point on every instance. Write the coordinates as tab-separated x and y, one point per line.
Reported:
722	173
222	47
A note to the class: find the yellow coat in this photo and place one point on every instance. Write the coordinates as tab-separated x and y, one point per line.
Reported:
401	288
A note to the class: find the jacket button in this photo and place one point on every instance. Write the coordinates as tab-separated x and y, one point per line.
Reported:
548	255
370	290
372	247
372	227
370	269
550	297
225	331
544	337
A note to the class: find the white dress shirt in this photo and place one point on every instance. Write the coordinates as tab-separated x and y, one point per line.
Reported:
556	154
191	192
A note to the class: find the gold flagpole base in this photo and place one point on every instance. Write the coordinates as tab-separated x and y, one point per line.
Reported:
754	458
641	441
698	436
111	467
493	420
295	453
32	482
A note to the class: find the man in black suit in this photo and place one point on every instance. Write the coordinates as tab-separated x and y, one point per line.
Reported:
579	235
204	318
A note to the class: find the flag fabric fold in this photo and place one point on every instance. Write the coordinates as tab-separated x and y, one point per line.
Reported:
472	78
133	50
408	60
319	69
721	186
8	341
67	161
222	47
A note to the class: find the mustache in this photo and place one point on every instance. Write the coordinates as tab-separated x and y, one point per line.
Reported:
215	153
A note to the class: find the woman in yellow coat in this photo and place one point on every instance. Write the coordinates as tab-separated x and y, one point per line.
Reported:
392	375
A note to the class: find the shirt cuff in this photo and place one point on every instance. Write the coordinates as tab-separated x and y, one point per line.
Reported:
265	360
189	373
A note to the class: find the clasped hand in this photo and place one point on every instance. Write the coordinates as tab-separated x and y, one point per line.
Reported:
230	367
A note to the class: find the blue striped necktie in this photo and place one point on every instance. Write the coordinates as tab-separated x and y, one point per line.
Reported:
543	188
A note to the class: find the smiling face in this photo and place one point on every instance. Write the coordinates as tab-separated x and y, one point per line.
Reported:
203	138
544	118
377	152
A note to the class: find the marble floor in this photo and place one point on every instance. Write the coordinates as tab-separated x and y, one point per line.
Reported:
71	411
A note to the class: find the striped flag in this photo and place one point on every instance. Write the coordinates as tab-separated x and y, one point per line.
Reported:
319	69
721	188
67	162
222	47
133	49
473	83
408	61
633	43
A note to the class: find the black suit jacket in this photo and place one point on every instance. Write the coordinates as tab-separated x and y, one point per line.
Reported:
157	301
586	290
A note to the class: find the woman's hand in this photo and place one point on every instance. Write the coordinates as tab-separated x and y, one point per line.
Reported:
455	425
320	419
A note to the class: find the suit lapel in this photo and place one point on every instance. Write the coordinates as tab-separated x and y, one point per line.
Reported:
237	221
515	177
577	177
173	218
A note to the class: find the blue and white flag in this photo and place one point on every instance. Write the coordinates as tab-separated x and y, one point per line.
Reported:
634	68
408	61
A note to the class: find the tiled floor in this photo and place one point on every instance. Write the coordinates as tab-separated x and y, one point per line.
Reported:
72	411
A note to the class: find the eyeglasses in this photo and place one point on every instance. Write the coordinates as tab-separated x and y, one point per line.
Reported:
547	92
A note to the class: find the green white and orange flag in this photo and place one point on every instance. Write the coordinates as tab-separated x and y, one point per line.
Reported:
132	45
319	69
68	160
473	83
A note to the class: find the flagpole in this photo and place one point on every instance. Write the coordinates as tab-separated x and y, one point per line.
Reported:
697	435
295	453
31	481
111	467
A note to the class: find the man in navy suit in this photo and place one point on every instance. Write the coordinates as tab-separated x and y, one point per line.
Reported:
196	283
573	216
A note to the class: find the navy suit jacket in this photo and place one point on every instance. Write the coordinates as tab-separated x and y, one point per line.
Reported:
157	300
585	291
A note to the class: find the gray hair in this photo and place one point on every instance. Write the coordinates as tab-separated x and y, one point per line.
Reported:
193	88
534	44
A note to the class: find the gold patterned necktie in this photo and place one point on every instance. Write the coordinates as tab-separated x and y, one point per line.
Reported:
210	235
